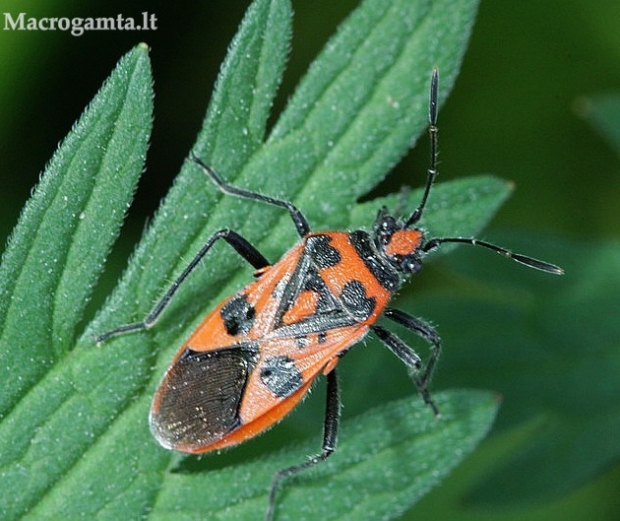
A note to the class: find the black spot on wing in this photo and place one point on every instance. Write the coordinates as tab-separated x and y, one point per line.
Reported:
238	315
355	301
198	400
379	267
281	376
323	255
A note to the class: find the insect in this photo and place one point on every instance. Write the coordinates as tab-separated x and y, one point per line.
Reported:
255	356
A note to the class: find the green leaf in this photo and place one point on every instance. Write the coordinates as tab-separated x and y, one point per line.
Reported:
364	102
57	249
603	113
51	263
390	457
550	346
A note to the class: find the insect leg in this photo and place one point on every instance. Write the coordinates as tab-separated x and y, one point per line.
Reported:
330	435
303	228
239	244
406	353
423	329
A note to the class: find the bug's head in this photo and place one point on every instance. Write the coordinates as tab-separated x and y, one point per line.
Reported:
397	243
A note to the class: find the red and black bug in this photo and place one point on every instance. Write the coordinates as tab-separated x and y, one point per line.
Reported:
255	356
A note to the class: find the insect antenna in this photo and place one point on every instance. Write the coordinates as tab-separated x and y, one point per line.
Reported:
432	174
432	168
522	259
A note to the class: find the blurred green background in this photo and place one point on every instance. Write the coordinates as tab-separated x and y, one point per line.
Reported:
514	112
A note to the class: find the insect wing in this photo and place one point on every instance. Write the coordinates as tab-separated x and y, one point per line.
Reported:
197	402
252	359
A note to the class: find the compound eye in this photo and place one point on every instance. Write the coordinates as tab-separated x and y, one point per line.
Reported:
411	265
385	228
